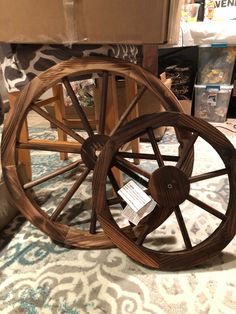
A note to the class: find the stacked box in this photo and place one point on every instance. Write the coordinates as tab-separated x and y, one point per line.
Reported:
216	64
213	89
212	102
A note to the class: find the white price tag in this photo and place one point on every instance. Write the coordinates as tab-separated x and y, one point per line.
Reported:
134	216
139	204
134	196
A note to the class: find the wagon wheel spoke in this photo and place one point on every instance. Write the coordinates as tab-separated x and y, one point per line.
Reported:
50	146
103	104
131	173
78	107
208	175
183	228
59	124
151	222
155	147
116	187
133	167
52	175
130	107
132	155
187	150
206	207
115	200
69	194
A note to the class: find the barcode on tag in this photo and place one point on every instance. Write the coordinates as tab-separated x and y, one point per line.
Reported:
134	196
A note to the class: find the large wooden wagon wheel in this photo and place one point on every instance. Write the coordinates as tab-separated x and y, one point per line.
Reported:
63	222
171	236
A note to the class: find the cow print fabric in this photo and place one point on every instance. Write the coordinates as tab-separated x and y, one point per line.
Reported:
22	62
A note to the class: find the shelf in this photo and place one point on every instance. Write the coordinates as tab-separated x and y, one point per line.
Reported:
200	33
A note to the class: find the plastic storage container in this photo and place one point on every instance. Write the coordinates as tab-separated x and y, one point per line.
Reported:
216	63
212	102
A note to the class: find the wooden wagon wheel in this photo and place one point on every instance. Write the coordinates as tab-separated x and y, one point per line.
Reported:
182	202
84	148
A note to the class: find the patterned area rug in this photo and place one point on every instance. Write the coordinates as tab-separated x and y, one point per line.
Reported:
39	276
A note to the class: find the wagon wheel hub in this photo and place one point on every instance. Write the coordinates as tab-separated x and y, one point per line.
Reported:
91	149
169	186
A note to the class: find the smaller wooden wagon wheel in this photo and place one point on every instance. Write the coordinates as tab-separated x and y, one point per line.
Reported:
63	216
190	222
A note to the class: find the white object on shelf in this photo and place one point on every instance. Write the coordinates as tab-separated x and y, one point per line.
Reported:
207	32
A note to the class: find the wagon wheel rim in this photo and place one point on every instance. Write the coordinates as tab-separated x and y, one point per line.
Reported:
27	101
190	254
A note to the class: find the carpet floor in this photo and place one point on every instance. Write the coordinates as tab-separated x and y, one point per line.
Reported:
39	276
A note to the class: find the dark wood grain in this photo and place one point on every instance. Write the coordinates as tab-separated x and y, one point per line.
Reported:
28	100
193	254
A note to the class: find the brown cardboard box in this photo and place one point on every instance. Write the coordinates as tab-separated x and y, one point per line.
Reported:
89	21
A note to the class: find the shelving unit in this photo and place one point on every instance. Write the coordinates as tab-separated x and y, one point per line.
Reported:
207	32
199	33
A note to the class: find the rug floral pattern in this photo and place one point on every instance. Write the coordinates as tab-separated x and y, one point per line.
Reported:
40	276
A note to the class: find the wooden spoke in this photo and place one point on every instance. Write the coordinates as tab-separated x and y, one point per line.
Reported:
142	236
55	146
43	103
116	187
113	181
155	147
103	106
131	173
115	200
149	225
69	194
185	152
93	222
124	116
206	207
132	166
208	175
78	107
51	175
59	124
146	156
183	228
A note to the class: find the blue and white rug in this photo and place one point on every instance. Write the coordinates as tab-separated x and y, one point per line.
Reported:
38	276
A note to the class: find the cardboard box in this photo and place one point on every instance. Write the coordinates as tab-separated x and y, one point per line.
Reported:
89	21
212	102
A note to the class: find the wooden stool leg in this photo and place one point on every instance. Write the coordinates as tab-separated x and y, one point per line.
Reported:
112	117
130	91
60	114
112	114
23	154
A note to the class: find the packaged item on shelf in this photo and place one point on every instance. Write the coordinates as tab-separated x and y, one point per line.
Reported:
181	76
200	10
220	10
189	12
216	63
212	102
